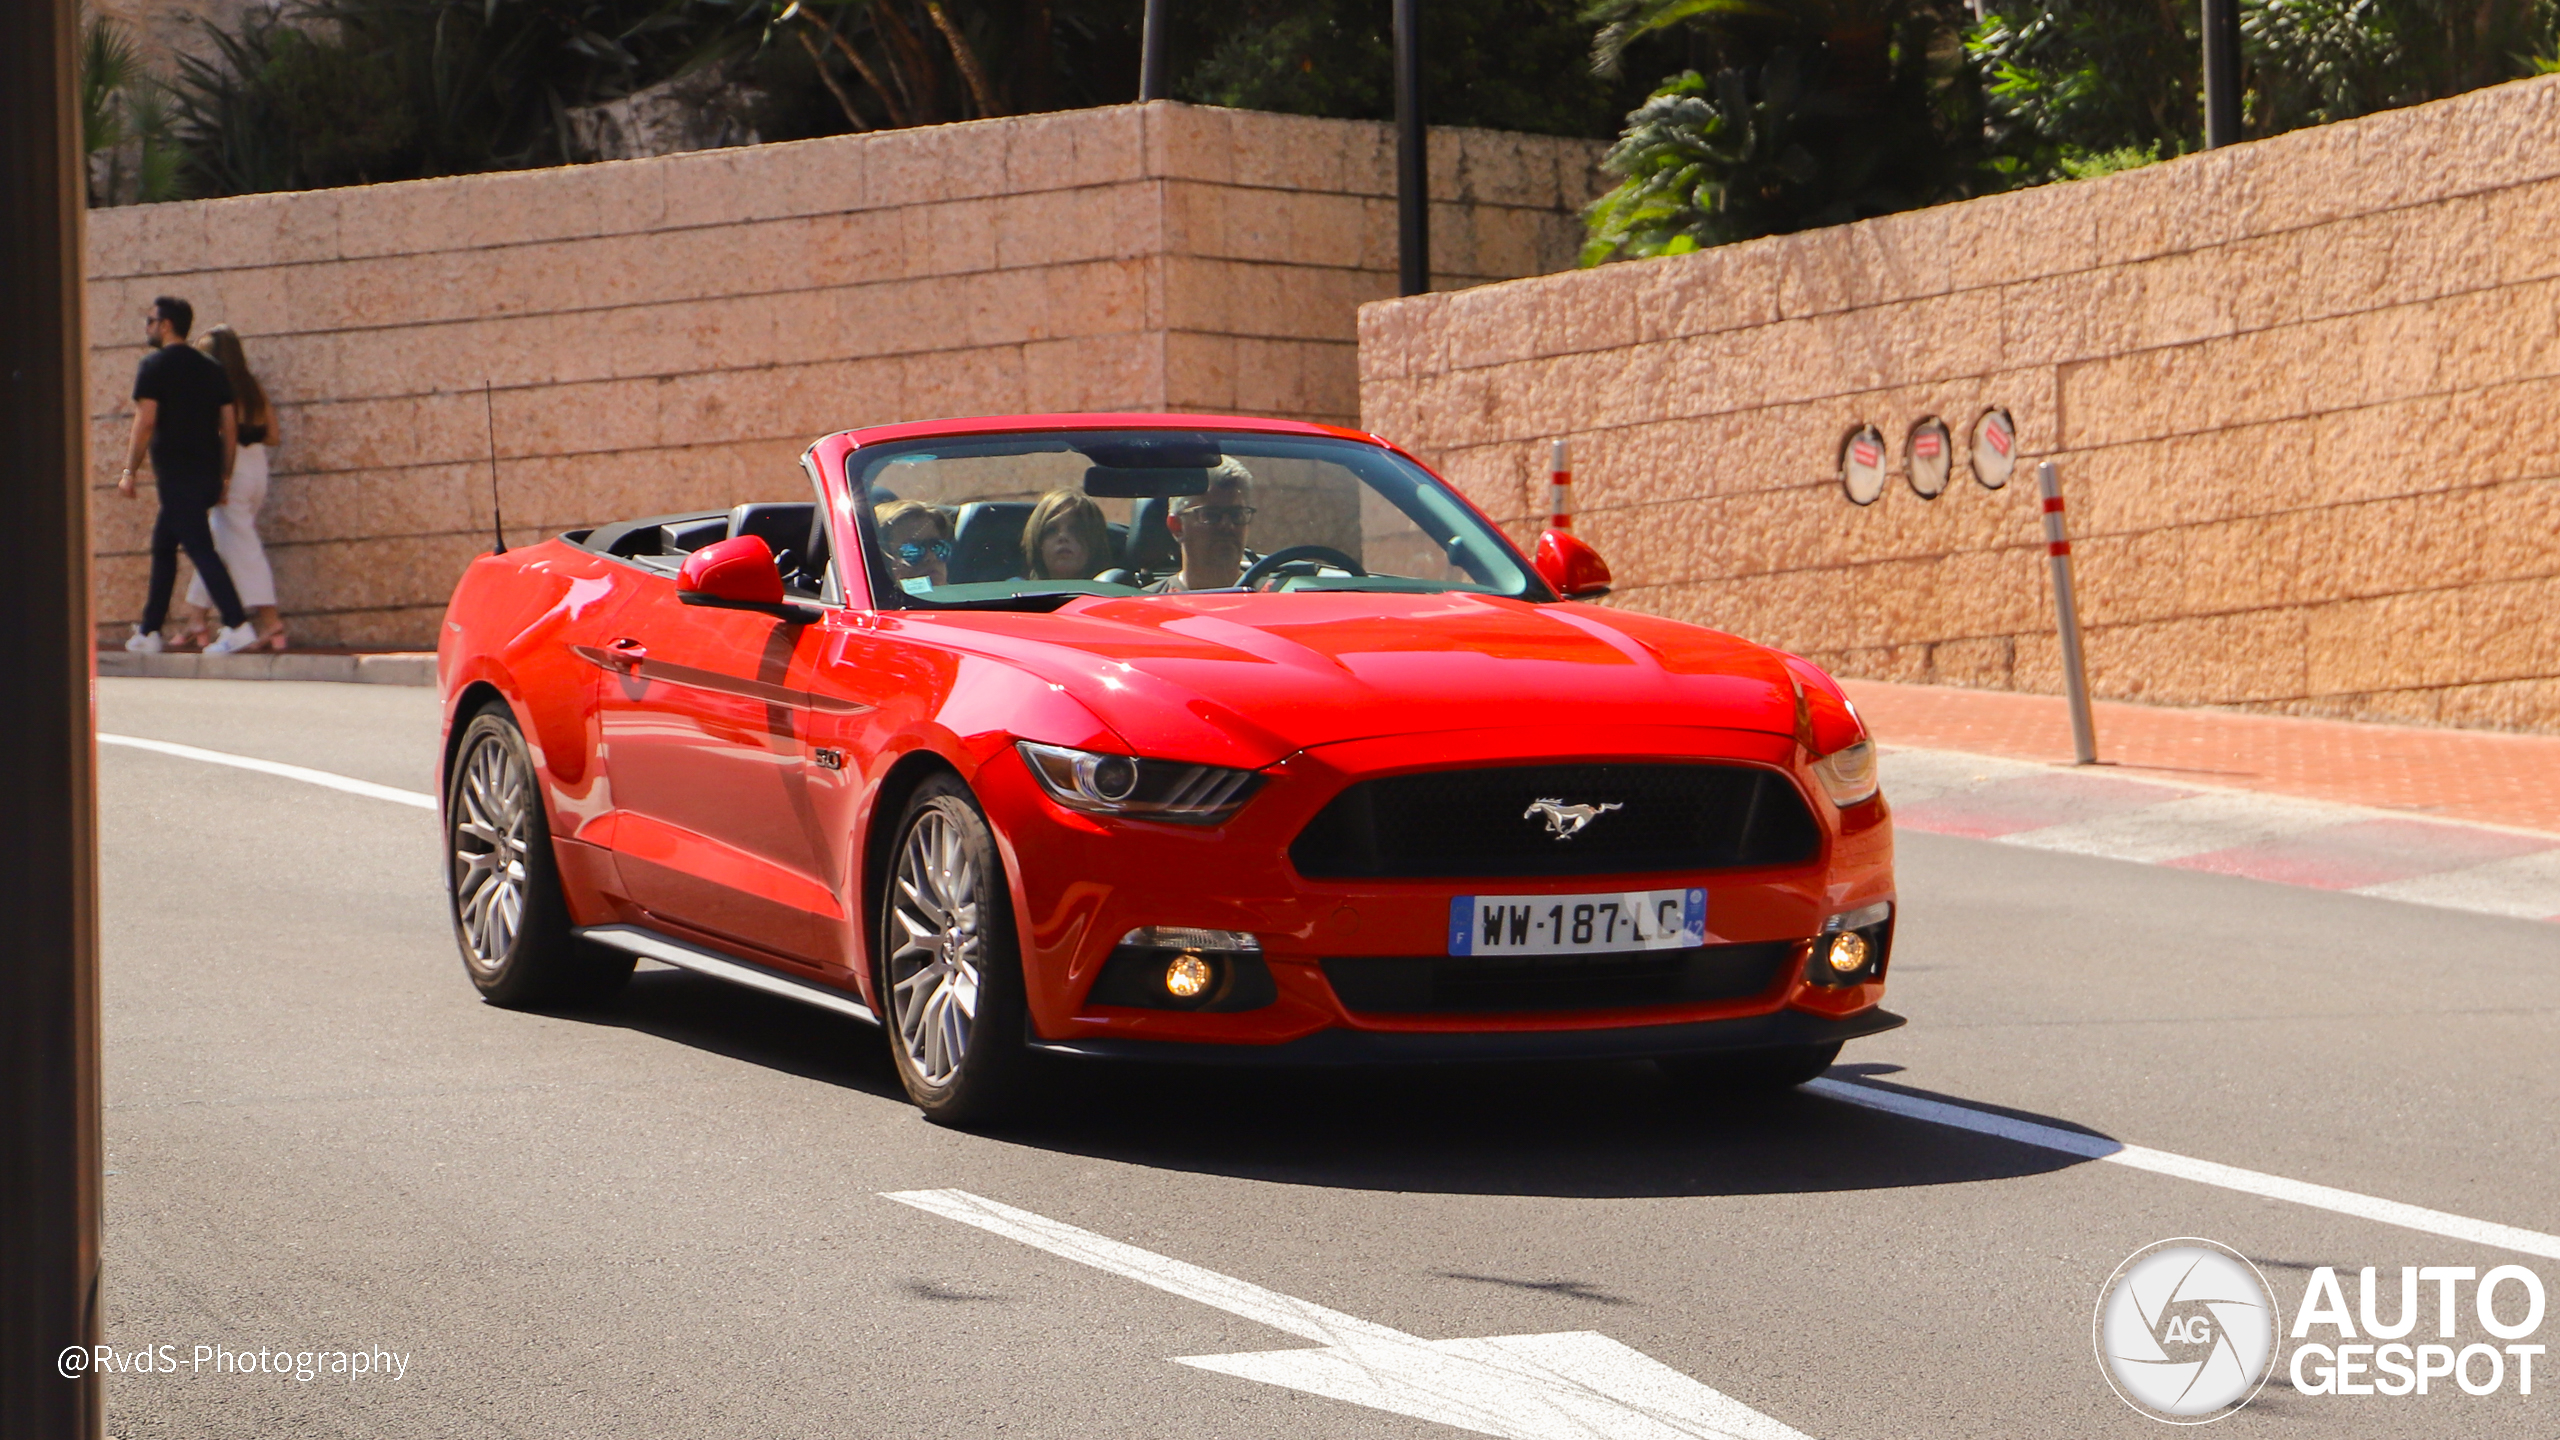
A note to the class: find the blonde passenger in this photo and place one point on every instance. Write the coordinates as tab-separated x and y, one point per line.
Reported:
917	539
1066	538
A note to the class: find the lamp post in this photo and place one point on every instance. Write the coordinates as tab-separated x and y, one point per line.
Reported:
1413	158
1151	53
49	1137
2221	73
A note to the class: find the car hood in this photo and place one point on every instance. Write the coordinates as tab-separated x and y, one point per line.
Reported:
1248	679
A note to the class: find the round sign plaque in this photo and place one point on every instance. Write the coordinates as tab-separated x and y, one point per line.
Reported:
1995	448
1932	457
1862	465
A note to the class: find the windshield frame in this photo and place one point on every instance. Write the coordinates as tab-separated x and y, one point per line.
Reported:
862	460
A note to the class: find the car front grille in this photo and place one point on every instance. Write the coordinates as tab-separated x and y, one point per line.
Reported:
1445	824
1455	984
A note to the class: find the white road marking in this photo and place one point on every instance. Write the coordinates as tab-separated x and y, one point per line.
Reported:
1573	1386
2195	825
2525	886
2203	1172
348	783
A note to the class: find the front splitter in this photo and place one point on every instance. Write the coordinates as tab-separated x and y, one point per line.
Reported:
1781	1030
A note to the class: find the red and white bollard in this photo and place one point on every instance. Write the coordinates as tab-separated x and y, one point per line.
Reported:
1560	486
2075	671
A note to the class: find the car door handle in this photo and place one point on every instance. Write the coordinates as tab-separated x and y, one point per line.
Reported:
626	655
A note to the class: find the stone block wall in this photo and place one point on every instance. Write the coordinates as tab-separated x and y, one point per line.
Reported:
2302	393
668	334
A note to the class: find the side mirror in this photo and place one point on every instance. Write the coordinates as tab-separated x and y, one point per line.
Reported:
738	574
1570	568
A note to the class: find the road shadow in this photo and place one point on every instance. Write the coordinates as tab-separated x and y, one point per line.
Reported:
1591	1130
1613	1130
748	1025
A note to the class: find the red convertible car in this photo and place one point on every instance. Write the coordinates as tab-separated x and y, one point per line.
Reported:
1155	736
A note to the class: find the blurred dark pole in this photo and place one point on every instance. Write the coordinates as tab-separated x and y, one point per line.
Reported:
49	1145
1151	52
1413	157
2221	73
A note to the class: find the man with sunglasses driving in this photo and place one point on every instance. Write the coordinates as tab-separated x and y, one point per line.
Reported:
1210	527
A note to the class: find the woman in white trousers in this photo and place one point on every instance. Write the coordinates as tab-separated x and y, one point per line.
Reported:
235	520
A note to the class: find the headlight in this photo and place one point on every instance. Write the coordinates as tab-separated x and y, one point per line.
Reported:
1848	776
1137	789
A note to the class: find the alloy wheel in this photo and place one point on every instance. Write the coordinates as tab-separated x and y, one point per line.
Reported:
491	834
940	952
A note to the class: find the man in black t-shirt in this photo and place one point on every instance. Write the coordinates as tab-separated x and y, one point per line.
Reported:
183	417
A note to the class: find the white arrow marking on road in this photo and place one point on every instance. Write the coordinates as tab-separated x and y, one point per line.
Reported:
1578	1384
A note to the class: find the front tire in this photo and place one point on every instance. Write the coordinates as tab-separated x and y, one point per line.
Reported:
509	917
951	972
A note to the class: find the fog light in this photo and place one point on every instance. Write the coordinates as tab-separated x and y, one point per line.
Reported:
1848	952
1185	976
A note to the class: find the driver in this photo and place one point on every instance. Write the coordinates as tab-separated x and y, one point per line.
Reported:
1210	527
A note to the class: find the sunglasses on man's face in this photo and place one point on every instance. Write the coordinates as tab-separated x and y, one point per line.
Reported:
914	551
1236	515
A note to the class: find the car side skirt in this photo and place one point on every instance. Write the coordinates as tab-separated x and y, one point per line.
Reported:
650	945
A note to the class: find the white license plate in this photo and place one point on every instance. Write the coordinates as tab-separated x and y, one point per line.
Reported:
1577	924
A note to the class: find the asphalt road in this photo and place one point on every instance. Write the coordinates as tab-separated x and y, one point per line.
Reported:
666	1217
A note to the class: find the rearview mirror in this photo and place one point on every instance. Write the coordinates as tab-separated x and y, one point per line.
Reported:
738	573
1155	482
1570	568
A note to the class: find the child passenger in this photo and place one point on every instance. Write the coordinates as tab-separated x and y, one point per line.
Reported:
1066	538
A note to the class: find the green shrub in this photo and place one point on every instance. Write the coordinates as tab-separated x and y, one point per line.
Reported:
1501	64
1821	116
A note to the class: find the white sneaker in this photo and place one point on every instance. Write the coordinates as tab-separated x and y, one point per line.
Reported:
237	637
142	644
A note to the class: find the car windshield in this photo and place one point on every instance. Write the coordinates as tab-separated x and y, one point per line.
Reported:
1003	520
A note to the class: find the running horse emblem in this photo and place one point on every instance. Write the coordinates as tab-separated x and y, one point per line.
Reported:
1566	821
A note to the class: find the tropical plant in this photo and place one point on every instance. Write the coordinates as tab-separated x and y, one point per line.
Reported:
2073	80
1819	114
918	65
2068	80
338	91
1502	64
2315	61
345	91
125	126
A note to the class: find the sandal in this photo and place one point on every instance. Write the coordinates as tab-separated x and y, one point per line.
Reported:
273	641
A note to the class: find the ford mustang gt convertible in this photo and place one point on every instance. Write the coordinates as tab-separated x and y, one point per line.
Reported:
1156	737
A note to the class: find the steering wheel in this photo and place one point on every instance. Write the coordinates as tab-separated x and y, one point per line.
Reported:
1269	565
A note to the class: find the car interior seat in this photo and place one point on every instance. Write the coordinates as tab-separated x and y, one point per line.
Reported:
791	529
813	564
1150	545
986	544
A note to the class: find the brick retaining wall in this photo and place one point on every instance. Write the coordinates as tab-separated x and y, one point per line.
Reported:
2305	394
669	334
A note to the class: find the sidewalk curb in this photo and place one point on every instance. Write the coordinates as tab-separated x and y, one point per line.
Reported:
397	668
